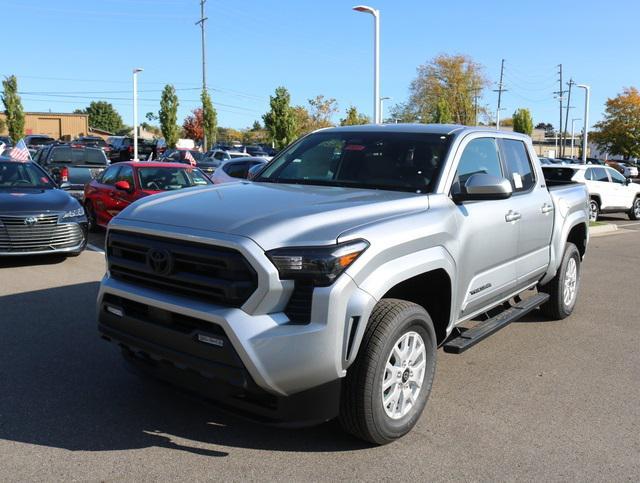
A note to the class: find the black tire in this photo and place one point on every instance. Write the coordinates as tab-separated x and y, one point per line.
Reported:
634	212
91	217
556	308
594	210
361	410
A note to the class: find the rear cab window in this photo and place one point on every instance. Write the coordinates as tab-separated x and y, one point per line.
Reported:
77	156
518	165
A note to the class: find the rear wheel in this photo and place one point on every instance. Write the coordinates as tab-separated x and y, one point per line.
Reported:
594	210
563	288
634	212
387	387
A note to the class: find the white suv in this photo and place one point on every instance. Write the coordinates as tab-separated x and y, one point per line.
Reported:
609	191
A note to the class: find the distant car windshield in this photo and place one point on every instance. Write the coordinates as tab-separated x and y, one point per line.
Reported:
376	160
179	155
92	142
22	175
75	156
166	179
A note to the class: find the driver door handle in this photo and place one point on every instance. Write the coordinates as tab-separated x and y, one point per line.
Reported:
547	208
512	216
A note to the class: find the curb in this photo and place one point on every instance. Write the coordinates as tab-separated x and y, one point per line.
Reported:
602	229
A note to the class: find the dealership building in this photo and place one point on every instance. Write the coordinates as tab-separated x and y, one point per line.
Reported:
54	124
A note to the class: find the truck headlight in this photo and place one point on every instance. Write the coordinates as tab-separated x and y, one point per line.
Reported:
321	265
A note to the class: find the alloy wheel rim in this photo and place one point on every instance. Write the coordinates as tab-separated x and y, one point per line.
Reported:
403	375
593	211
636	208
570	282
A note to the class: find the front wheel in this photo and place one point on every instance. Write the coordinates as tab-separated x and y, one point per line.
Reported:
91	216
387	387
594	210
634	212
563	288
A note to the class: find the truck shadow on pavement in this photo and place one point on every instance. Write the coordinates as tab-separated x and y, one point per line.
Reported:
62	386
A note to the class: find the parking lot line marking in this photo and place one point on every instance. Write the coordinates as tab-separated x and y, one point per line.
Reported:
94	248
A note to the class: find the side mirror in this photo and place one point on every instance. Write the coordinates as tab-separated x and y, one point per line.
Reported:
482	186
123	185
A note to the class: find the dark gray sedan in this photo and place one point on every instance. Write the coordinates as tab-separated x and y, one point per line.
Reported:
36	217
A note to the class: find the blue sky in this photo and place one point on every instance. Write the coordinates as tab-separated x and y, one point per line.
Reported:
64	48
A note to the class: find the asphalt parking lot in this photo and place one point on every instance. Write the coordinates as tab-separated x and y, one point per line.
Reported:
537	401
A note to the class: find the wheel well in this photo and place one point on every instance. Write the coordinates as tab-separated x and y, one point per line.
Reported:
597	198
578	236
431	290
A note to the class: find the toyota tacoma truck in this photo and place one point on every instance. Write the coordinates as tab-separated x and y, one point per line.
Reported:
323	287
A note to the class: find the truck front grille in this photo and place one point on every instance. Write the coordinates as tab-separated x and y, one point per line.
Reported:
35	233
211	273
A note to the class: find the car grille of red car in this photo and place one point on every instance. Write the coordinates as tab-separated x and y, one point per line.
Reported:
37	233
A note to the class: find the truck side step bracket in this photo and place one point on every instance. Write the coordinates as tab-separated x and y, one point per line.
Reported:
471	337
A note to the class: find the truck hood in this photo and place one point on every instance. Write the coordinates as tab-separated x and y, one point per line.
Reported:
274	215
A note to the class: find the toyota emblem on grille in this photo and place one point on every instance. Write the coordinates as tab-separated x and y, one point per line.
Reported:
160	261
30	221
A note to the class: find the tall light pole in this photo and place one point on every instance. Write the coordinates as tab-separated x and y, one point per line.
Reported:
587	93
573	130
376	58
204	76
136	71
382	99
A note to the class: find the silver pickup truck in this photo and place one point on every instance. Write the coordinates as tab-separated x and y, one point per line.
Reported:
323	287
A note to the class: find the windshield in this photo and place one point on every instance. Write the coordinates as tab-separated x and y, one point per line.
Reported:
377	160
166	179
23	175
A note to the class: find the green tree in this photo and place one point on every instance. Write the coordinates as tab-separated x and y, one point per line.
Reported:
280	121
523	122
256	126
455	78
619	131
169	115
13	107
102	115
321	111
209	119
354	118
443	113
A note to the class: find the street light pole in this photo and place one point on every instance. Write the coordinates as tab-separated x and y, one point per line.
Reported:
587	94
573	133
136	71
376	58
382	99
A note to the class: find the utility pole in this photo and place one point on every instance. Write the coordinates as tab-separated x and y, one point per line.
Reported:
500	90
476	96
560	93
566	119
204	65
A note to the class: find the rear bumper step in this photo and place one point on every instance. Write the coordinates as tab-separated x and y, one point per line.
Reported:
471	337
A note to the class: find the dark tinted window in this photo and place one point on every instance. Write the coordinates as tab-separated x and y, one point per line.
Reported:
376	160
599	174
67	155
237	170
617	177
165	179
519	168
126	174
23	175
479	156
110	175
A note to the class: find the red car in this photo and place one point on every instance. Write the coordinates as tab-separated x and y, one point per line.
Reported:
121	184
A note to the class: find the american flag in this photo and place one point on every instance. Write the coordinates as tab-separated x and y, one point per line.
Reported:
189	157
20	151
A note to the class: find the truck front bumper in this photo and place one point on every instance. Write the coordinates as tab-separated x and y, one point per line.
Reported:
262	365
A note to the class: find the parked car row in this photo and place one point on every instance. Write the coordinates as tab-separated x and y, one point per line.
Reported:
609	191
